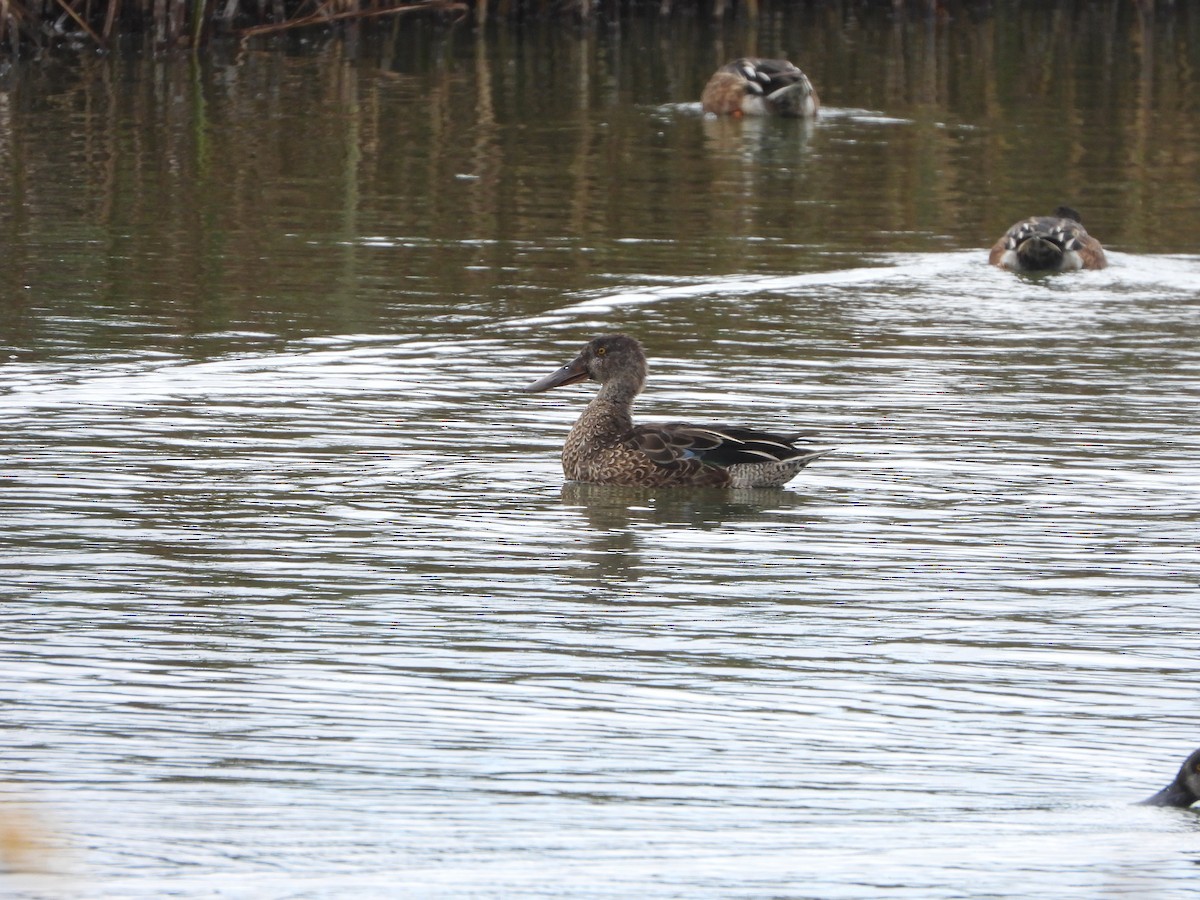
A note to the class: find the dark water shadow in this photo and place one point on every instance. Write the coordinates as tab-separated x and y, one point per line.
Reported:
619	517
608	507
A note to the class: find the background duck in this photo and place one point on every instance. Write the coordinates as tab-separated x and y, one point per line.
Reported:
760	87
605	447
1057	243
1184	790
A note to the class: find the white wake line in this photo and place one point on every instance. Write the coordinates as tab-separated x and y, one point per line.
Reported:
316	361
1174	272
919	267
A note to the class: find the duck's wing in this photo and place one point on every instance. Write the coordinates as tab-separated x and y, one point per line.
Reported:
1070	234
766	76
718	445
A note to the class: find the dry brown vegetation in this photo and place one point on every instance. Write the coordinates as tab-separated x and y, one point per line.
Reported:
40	24
36	25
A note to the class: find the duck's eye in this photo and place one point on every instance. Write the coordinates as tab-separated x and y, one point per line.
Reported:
600	351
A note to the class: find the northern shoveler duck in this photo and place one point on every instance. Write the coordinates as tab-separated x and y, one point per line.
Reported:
605	447
760	87
1056	243
1184	790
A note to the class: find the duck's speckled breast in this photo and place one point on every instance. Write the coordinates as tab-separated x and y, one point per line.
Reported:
595	453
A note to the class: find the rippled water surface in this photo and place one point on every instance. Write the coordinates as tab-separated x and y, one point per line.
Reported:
297	604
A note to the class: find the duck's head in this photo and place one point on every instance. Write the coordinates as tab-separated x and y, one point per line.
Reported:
1184	790
613	357
1040	253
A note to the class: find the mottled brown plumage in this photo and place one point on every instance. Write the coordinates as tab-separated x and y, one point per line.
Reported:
760	87
1057	243
605	447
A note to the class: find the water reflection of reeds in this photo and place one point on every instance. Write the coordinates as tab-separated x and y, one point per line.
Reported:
228	187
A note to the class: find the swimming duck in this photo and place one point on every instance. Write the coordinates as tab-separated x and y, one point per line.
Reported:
605	447
1184	790
1056	243
760	87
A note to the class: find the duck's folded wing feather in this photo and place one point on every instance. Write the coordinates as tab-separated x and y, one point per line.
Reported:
769	74
718	445
673	443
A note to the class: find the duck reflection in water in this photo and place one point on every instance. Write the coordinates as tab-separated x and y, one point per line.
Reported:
605	447
745	140
1184	790
615	516
610	508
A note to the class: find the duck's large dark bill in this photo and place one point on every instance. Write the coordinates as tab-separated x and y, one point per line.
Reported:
568	374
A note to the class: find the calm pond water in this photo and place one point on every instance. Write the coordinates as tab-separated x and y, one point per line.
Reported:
297	604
